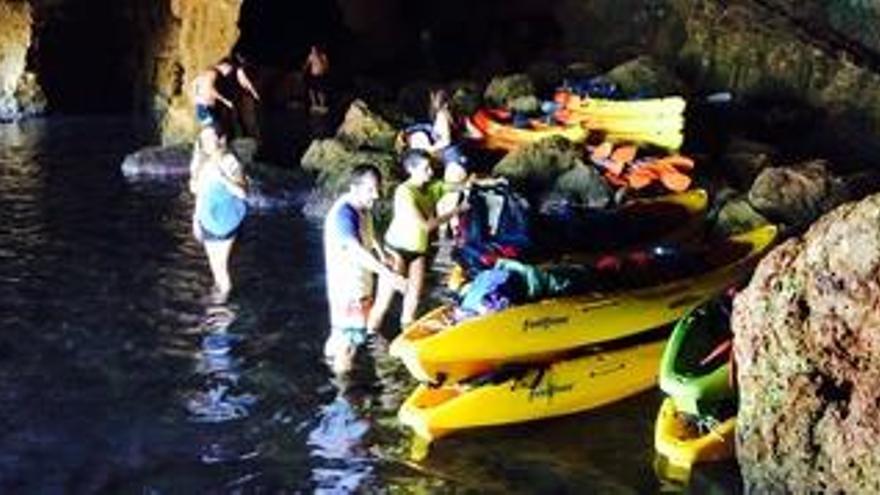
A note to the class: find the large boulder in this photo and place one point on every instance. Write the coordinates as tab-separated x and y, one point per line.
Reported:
502	89
806	332
797	195
736	216
536	166
332	161
363	128
584	185
644	76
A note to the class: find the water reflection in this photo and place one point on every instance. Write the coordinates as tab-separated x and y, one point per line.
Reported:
337	442
218	394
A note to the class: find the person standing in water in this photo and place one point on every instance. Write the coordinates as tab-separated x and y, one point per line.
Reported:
213	92
315	70
352	257
220	188
412	222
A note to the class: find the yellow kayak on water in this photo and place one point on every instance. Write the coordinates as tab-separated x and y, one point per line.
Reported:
682	443
437	349
564	387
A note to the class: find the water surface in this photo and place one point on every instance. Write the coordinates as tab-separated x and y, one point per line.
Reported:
118	376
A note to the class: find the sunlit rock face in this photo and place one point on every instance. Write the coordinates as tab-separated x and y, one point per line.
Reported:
20	94
807	329
198	34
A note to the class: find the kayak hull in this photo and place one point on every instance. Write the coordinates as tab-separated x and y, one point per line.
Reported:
682	445
564	387
435	349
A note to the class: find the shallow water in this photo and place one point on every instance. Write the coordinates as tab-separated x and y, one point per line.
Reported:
117	375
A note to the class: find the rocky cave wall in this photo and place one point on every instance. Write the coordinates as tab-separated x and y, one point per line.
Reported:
20	94
749	46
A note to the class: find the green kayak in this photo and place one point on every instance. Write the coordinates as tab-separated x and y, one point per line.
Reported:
695	367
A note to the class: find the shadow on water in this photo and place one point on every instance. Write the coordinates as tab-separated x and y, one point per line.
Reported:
116	375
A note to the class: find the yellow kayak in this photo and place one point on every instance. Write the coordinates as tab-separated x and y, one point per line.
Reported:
648	108
668	139
657	121
564	387
435	349
682	444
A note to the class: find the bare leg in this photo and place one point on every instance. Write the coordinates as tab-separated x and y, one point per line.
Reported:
218	259
415	280
384	294
339	352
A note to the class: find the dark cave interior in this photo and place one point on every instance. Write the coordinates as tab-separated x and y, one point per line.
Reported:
86	52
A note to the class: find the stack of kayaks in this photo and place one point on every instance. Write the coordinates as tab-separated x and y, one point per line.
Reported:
696	421
435	349
466	365
657	121
563	387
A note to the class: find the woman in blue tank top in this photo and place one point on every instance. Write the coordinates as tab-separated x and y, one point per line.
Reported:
220	187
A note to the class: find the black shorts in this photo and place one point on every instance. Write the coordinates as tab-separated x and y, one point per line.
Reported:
407	255
209	236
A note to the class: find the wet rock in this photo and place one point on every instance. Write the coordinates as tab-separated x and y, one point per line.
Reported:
736	216
363	128
581	69
158	161
528	105
536	166
806	332
332	160
644	76
153	162
744	159
797	195
583	185
465	97
503	89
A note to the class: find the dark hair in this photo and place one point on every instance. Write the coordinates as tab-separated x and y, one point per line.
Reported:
360	172
412	158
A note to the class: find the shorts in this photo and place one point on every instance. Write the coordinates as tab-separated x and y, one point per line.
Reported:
350	318
407	255
208	236
204	115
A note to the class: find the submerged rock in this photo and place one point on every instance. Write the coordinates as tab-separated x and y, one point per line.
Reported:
806	329
158	161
